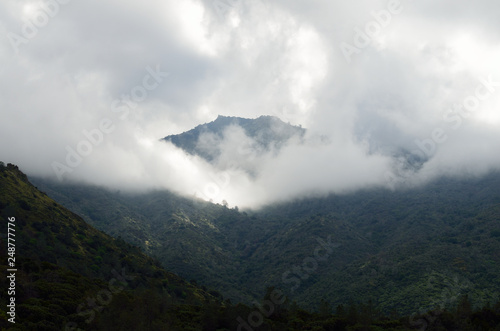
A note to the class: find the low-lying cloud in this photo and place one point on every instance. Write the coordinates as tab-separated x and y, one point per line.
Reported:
88	89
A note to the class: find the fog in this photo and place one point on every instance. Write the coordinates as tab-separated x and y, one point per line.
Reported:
392	94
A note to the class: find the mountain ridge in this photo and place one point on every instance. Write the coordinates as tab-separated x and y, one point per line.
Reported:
265	132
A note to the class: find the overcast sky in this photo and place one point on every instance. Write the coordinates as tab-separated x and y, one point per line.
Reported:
87	88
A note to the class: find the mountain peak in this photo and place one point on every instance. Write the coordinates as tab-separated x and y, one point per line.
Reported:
265	131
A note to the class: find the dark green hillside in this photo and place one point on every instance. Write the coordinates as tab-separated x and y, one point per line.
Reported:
70	274
431	244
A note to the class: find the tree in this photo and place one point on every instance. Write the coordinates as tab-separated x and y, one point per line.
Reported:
325	309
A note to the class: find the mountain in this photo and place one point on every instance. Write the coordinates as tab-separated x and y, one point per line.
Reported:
427	246
65	275
263	134
431	253
200	241
71	275
408	250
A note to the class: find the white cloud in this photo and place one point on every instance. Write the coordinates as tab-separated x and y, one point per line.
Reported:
247	59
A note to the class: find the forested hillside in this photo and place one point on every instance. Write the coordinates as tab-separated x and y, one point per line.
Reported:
405	250
71	276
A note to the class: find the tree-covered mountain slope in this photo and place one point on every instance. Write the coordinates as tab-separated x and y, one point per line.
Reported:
406	250
71	276
428	245
198	240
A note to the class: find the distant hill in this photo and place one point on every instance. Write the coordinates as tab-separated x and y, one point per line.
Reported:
427	246
266	132
407	250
